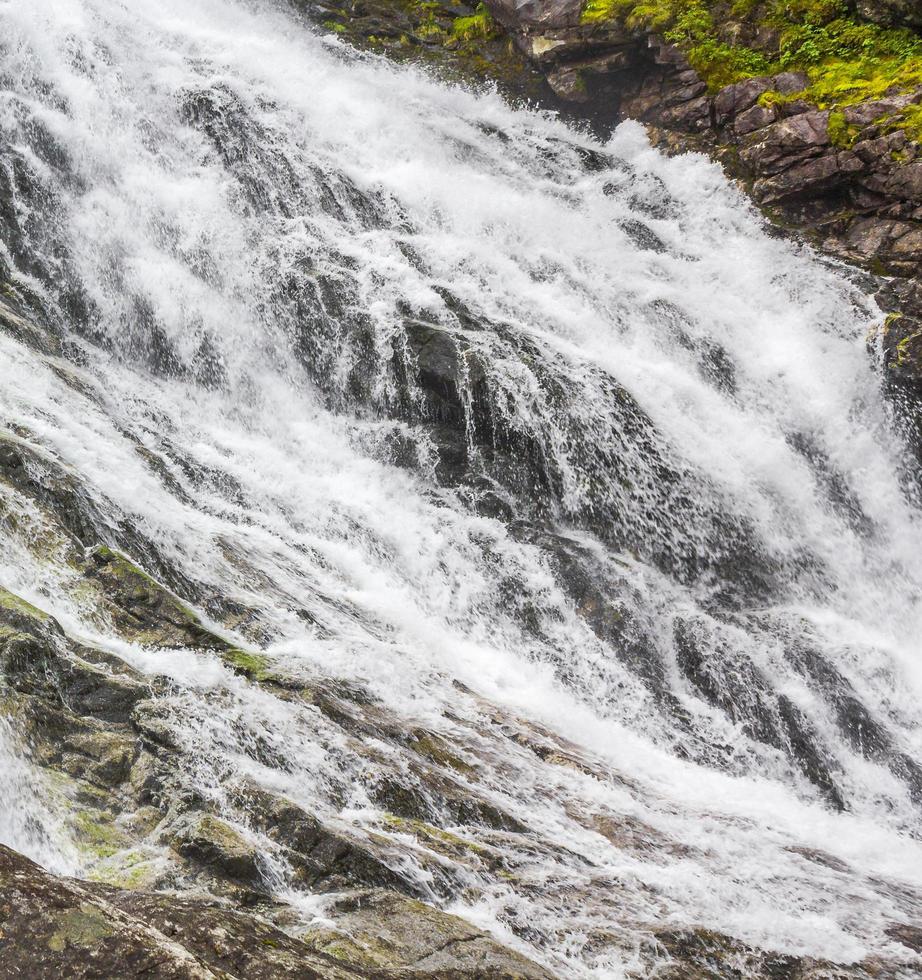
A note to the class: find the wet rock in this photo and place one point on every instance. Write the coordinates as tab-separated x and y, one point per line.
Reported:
51	485
325	858
910	936
426	33
111	753
851	188
701	954
733	683
232	944
902	347
396	934
143	609
213	842
37	659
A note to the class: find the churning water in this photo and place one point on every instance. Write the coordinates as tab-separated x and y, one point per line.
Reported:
469	409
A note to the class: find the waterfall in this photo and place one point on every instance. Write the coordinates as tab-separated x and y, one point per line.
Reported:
446	400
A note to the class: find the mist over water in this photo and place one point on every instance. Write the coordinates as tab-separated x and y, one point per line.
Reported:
468	408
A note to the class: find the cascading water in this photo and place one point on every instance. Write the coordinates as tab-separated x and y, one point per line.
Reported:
466	408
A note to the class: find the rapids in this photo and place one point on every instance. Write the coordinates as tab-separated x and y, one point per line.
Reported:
466	407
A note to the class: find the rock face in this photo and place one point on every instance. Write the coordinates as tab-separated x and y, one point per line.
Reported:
891	11
456	39
847	177
181	884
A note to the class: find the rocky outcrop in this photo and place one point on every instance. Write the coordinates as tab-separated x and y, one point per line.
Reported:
60	927
891	11
457	40
92	723
57	927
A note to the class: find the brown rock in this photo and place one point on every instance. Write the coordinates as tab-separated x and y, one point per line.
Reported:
734	99
51	927
815	174
906	182
755	118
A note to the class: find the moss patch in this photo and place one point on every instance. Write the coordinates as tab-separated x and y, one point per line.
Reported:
254	666
460	45
14	604
86	926
436	749
440	841
847	60
479	26
96	834
841	134
133	870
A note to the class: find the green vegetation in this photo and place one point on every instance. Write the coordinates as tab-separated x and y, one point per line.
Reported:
841	133
254	666
95	833
479	26
846	60
14	604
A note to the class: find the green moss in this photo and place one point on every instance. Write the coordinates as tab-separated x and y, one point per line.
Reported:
347	950
841	133
479	26
435	748
909	121
96	834
86	926
338	27
722	64
14	604
773	98
255	666
846	60
133	870
904	349
441	841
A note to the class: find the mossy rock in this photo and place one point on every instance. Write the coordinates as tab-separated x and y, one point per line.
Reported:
133	869
56	927
214	843
142	609
436	839
96	833
847	59
393	933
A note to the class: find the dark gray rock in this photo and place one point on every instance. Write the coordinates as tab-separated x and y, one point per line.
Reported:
890	12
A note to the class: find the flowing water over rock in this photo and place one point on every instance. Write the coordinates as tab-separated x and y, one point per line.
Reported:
513	511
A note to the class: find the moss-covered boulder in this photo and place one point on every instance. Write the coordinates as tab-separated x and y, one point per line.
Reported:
214	843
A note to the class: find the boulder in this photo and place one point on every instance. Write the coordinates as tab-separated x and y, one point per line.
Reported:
383	931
